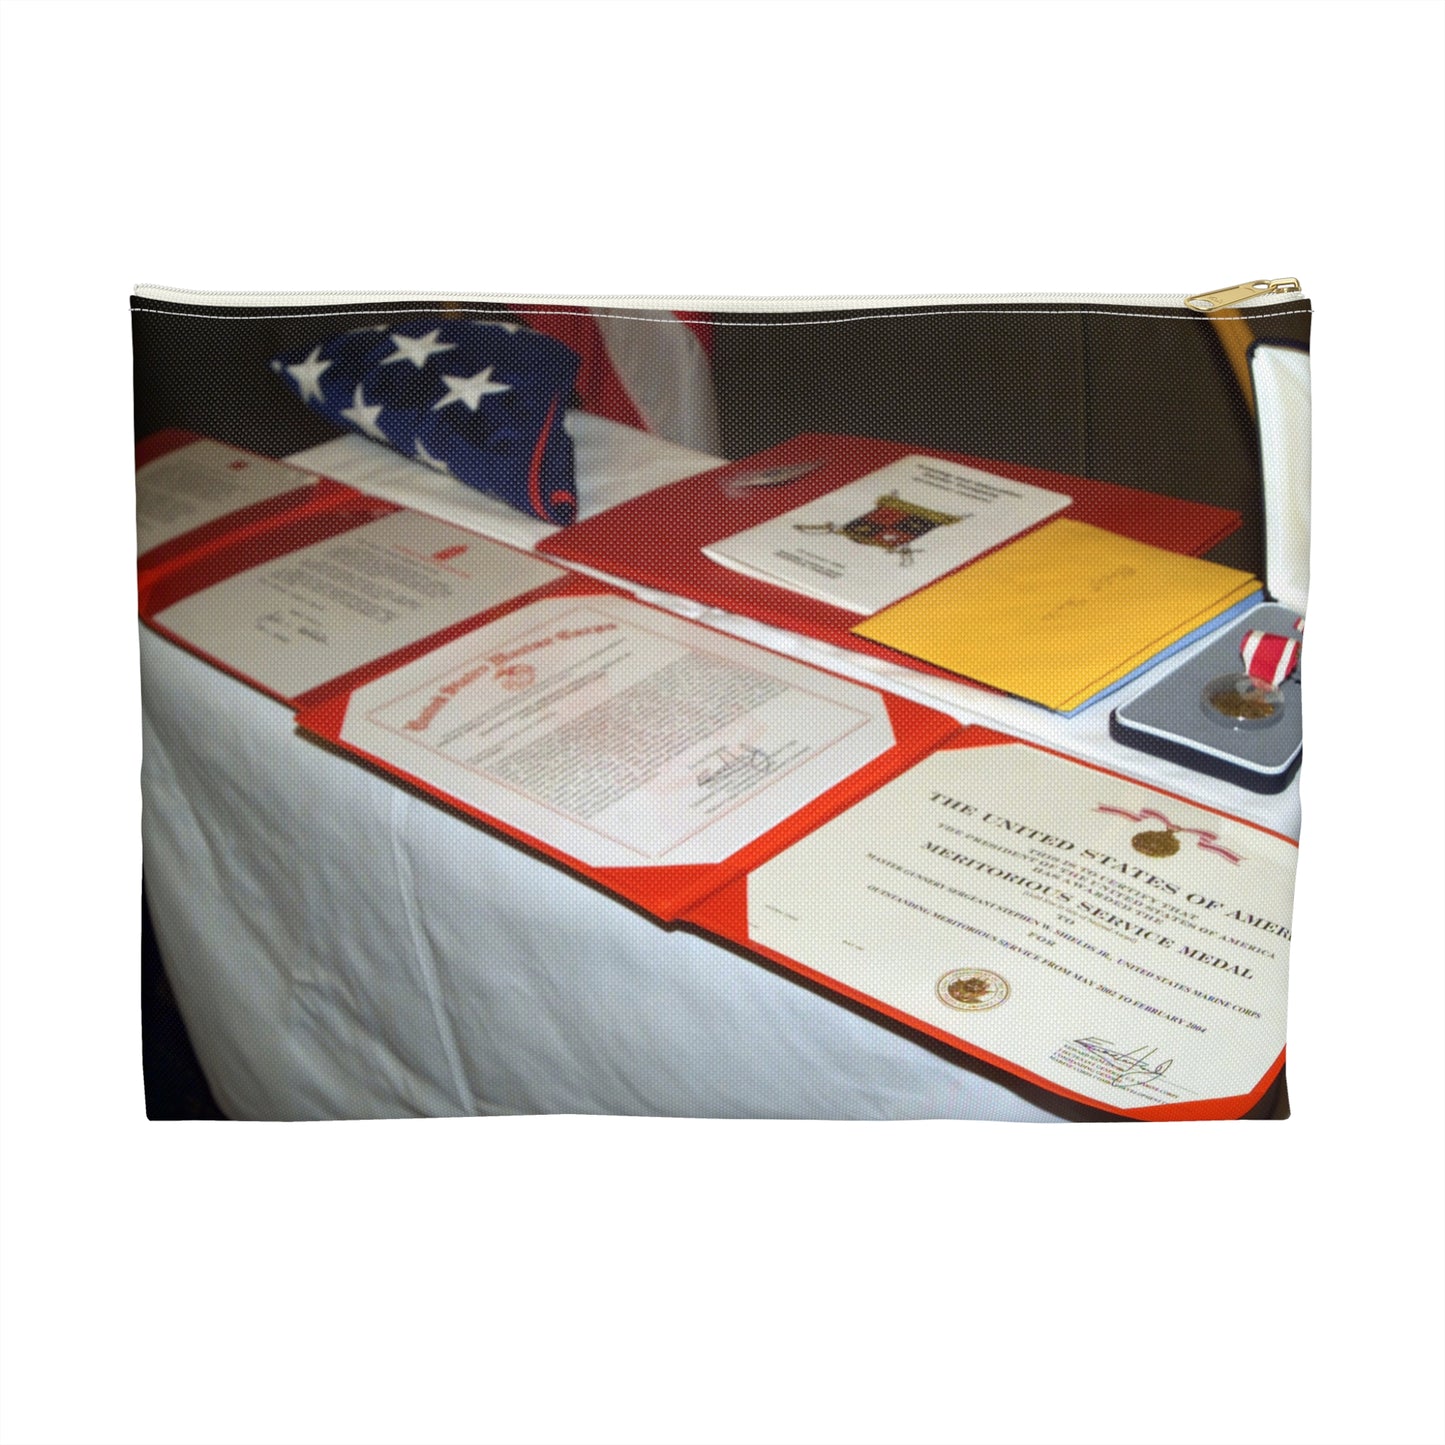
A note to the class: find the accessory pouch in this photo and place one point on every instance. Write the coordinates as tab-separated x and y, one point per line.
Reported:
724	707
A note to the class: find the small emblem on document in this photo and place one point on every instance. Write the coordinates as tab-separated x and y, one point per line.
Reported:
517	676
973	988
894	525
1164	842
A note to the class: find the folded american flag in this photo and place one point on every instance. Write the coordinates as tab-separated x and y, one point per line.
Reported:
479	400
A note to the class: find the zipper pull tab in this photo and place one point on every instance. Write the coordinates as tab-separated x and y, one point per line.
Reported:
1213	300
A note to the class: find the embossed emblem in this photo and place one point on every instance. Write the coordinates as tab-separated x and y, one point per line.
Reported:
973	988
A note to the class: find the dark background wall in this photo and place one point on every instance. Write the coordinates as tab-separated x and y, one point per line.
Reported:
1128	398
1095	391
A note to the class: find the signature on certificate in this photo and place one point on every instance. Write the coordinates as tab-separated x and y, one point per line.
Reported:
731	765
1134	1065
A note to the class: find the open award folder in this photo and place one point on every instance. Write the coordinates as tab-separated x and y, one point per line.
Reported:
644	750
1097	937
886	545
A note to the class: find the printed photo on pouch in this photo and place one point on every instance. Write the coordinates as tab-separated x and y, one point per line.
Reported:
854	709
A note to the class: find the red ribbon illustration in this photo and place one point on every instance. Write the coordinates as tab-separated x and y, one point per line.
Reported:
1207	841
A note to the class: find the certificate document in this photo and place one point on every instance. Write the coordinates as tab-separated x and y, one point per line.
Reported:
202	482
313	615
865	545
615	734
1087	932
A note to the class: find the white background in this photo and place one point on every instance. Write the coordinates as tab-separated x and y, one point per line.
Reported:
608	1280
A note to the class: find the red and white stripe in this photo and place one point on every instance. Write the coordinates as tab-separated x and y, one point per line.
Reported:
647	369
1269	657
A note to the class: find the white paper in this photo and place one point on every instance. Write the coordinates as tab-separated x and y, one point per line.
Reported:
1033	907
875	540
316	613
618	734
614	464
200	482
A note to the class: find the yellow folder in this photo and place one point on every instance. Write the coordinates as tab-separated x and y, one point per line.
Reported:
1060	614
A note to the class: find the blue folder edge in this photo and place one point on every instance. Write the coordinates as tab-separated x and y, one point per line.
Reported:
1212	626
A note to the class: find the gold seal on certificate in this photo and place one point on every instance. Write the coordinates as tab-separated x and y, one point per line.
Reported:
973	988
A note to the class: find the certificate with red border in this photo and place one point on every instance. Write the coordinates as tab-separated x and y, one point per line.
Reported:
1113	943
195	494
346	588
649	753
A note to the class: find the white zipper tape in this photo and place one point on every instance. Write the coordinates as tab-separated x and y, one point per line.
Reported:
754	304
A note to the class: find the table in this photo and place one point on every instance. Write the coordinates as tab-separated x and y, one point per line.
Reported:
343	948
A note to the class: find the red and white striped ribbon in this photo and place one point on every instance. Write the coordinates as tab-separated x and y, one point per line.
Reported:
1269	657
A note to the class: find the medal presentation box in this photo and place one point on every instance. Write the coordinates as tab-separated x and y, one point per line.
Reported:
1210	715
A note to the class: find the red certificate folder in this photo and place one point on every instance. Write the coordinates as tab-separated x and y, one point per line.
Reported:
310	492
657	540
331	513
384	720
1001	955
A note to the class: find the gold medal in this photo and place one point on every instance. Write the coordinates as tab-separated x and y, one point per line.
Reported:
1242	705
1244	700
1155	845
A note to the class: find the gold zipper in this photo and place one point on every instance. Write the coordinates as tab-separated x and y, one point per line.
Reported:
1228	295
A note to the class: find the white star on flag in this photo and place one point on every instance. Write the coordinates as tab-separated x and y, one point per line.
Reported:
435	463
363	417
417	349
307	375
471	389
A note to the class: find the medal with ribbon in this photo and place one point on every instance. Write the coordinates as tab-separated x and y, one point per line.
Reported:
1269	657
1252	698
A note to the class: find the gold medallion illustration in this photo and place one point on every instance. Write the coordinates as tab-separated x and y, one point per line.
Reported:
1164	842
1155	845
973	988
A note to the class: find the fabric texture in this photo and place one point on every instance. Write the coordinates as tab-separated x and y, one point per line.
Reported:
346	938
477	400
639	371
